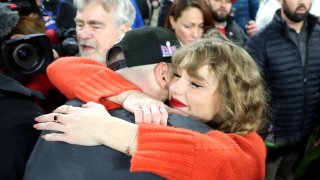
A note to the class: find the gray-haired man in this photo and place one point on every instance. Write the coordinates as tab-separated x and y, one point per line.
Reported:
100	23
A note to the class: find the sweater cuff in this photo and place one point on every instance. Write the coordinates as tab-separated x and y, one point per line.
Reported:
157	152
103	84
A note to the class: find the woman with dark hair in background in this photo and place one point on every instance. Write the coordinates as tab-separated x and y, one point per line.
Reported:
189	19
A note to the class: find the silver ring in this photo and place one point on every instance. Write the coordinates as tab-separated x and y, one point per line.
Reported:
139	109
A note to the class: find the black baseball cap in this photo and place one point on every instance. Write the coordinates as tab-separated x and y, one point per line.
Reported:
146	45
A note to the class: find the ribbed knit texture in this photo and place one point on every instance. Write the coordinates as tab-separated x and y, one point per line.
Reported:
83	78
183	154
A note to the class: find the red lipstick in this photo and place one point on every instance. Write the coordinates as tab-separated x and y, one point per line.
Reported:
176	103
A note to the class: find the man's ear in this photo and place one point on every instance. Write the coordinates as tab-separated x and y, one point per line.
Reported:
162	74
124	28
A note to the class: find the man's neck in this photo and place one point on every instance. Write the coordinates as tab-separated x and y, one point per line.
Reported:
293	25
220	24
296	26
144	79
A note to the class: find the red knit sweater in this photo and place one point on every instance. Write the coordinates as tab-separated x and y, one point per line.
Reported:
183	154
88	80
169	152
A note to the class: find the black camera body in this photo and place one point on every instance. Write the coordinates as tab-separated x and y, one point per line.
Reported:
26	55
68	42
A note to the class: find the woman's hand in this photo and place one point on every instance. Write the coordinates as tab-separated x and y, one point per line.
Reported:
82	126
146	109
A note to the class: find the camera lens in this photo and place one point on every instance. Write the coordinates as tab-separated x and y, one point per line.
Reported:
25	56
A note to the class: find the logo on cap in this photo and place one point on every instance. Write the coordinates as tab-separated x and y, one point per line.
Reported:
167	50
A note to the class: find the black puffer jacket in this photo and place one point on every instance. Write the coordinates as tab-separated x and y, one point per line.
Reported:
294	88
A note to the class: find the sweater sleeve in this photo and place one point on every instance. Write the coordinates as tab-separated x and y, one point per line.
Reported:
183	154
86	79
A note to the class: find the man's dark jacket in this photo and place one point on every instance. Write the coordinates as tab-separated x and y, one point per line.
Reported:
17	136
62	161
294	88
235	32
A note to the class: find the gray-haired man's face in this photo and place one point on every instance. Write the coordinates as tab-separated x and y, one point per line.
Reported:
96	31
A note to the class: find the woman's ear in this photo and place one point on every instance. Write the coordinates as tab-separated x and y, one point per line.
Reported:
162	74
172	22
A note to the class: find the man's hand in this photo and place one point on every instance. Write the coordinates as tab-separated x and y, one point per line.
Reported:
251	28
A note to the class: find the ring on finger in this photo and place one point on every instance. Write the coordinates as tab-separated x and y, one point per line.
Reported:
67	109
55	119
139	109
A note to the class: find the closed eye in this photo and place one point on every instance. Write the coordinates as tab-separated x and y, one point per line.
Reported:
195	84
176	75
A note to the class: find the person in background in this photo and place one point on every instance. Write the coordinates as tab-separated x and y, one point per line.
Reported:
189	19
33	23
215	81
18	138
266	12
221	14
59	14
100	23
17	109
245	14
147	9
163	12
287	51
315	9
138	21
268	8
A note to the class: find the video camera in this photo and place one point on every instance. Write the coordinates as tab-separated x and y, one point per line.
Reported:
68	42
26	55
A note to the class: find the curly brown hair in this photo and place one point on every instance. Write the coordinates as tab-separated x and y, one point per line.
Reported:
243	96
